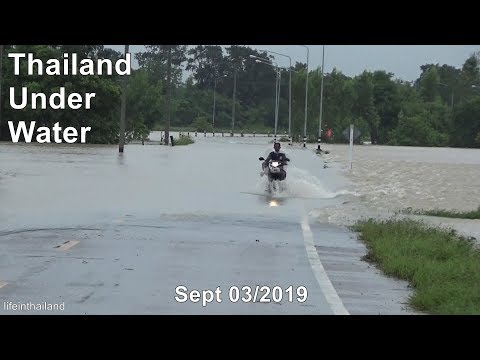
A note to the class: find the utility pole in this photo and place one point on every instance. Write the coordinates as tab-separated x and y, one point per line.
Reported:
121	143
169	92
306	101
213	115
278	80
289	94
277	104
290	106
1	62
234	95
321	103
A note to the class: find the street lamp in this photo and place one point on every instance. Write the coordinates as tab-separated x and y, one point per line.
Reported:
277	86
214	90
321	102
277	92
121	141
289	96
306	102
1	61
234	98
277	103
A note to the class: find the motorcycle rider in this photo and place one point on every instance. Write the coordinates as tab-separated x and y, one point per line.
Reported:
276	155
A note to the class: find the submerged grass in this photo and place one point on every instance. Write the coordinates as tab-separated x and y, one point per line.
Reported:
442	267
474	214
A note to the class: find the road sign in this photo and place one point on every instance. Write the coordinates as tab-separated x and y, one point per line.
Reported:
356	133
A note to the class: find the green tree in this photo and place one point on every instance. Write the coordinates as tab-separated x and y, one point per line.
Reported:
364	107
429	85
146	104
387	103
416	131
466	123
207	64
164	63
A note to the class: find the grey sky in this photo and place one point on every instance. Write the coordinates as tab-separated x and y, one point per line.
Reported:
403	61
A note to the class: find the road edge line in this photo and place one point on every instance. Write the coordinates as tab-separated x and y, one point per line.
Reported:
323	280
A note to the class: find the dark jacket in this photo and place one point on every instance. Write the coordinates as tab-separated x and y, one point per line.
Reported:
275	156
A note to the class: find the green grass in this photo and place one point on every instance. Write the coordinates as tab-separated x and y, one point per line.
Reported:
443	268
474	214
183	140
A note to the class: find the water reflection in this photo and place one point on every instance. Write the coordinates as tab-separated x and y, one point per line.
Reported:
272	200
121	159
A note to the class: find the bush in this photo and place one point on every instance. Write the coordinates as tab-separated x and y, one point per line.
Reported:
202	124
183	140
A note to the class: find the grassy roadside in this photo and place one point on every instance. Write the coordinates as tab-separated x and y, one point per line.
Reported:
474	214
443	268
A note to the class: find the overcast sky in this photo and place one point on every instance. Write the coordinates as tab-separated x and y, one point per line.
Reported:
403	61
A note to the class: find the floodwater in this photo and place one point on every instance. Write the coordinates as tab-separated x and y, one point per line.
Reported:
220	175
386	179
217	176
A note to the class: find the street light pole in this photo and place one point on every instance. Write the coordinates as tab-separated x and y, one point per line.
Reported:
277	87
214	102
121	142
306	101
213	115
1	62
289	95
234	95
321	102
290	105
451	101
279	80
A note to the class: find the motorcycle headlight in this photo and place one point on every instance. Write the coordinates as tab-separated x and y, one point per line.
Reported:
275	163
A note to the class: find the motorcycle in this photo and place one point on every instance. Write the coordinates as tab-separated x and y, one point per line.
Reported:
276	172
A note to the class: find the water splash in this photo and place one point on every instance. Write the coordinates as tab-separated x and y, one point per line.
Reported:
299	184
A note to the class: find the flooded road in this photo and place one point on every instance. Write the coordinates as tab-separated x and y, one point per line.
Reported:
119	234
387	179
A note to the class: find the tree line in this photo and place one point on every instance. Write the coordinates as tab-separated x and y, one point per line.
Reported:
173	88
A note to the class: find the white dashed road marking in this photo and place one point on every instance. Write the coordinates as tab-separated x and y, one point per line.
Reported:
68	245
